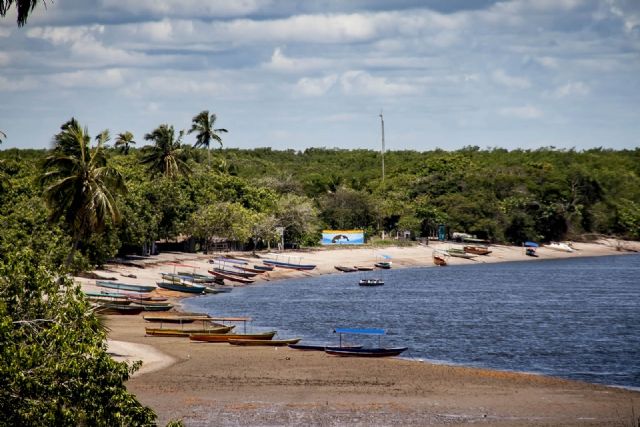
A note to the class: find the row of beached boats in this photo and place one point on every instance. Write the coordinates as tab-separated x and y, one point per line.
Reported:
211	330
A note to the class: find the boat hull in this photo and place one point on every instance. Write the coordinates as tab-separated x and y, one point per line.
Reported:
267	342
168	332
289	265
365	352
124	286
227	337
189	289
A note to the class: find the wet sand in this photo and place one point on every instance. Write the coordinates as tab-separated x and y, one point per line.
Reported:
219	384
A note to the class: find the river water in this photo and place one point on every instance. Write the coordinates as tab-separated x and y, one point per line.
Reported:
572	318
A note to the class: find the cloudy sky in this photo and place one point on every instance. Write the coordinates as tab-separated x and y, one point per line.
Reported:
317	73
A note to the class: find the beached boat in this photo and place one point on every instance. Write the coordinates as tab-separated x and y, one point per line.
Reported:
124	286
263	267
559	246
190	289
371	282
345	268
439	259
231	277
177	318
362	351
363	267
249	269
273	343
106	295
477	250
118	308
365	351
310	347
530	249
289	265
383	264
153	306
235	272
173	332
460	253
229	260
198	278
227	337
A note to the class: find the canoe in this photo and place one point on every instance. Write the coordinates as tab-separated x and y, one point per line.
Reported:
227	337
478	250
249	270
267	342
124	286
115	308
176	318
363	268
114	295
371	282
289	265
222	259
235	272
162	306
309	347
231	277
365	351
190	289
460	253
384	264
172	332
263	267
198	278
345	268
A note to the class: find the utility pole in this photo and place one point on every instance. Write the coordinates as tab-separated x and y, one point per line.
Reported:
382	124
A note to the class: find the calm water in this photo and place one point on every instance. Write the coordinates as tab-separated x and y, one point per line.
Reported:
576	318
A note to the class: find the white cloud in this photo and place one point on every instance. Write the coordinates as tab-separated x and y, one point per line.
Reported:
524	112
190	8
89	78
5	32
362	83
17	85
280	62
4	59
500	77
315	86
547	61
571	88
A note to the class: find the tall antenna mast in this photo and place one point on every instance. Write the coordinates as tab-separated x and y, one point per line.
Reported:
382	151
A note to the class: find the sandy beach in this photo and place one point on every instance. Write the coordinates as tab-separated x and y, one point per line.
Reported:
218	384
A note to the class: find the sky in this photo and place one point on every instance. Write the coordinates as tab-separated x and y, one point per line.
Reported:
285	74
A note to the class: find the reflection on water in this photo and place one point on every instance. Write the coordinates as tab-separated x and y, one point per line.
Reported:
576	318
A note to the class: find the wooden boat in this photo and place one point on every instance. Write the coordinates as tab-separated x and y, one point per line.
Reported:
239	273
263	267
124	286
363	268
222	259
439	260
477	250
308	347
288	265
177	318
249	269
154	306
371	282
345	268
197	278
117	308
231	277
227	337
106	295
384	264
190	289
268	342
365	351
460	253
172	332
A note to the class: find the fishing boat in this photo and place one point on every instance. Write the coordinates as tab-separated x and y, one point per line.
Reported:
477	250
383	264
190	289
222	259
249	269
118	308
197	278
310	347
371	282
239	273
153	306
345	268
460	253
124	286
289	265
177	318
273	343
227	337
106	295
173	332
263	267
363	351
363	268
231	277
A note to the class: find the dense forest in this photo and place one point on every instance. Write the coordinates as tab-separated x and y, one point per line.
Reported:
105	196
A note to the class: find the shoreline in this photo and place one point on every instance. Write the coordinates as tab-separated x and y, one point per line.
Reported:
249	381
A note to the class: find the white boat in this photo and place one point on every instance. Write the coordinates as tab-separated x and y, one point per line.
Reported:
559	246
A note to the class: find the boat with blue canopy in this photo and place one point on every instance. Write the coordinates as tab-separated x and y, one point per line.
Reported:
363	351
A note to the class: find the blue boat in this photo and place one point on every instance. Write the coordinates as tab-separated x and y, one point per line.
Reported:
173	286
222	259
124	286
363	351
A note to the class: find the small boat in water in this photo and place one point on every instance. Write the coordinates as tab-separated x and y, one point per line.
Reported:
267	342
371	282
124	286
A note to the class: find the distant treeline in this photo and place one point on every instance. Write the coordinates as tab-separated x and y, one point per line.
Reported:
245	195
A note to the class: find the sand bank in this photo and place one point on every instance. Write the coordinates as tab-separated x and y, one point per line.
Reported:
219	384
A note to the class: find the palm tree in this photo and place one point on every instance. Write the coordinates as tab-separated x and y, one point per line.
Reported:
124	140
80	186
166	155
203	124
2	135
24	7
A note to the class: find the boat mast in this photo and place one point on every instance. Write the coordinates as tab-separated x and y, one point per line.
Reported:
382	151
